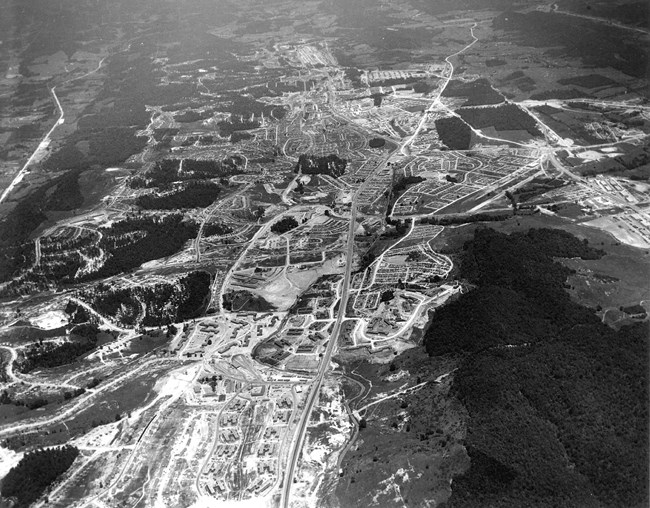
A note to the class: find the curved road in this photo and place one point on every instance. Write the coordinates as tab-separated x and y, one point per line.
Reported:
436	101
299	437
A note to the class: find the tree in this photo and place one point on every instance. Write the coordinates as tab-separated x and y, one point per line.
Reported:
27	481
387	296
283	225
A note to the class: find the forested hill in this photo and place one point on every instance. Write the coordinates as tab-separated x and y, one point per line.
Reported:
557	400
37	470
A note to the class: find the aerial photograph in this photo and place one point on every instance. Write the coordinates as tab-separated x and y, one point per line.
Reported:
324	253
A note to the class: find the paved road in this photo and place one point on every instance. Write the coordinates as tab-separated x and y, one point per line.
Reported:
40	148
135	450
299	437
10	364
436	102
105	322
13	378
80	403
46	139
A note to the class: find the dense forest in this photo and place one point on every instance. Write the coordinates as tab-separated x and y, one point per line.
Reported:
195	290
326	165
46	355
35	472
536	188
478	92
557	400
136	240
167	171
194	195
16	250
162	303
507	117
107	147
67	193
238	136
244	301
447	220
284	225
401	183
562	93
454	133
76	313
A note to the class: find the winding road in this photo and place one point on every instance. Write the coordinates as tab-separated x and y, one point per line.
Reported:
299	436
436	102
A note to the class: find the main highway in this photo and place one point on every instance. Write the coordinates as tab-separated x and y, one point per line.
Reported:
40	149
45	142
299	436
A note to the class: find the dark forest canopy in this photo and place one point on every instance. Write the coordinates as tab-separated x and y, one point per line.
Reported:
506	117
155	304
478	92
284	225
48	355
35	472
543	380
454	133
194	195
136	240
167	171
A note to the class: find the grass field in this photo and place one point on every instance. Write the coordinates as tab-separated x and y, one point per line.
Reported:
103	409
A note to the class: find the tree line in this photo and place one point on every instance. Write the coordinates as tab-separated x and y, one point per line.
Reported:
194	195
543	380
35	472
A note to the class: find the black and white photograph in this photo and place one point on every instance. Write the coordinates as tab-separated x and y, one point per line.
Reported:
324	253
